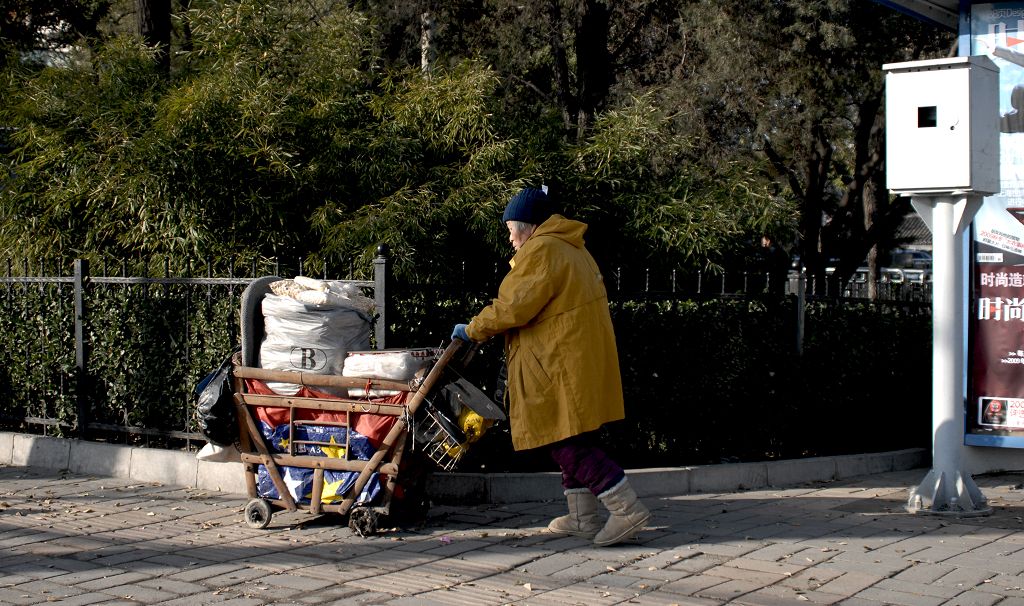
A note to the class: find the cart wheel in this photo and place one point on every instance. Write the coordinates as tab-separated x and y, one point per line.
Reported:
363	521
258	513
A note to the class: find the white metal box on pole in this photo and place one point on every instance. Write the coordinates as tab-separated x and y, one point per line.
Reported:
942	126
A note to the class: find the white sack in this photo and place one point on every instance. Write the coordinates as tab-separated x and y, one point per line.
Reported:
333	293
219	454
391	364
309	338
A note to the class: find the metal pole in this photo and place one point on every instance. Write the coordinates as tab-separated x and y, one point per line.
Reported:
380	272
81	372
946	489
801	303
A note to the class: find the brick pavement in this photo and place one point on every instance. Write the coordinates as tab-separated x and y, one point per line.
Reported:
67	539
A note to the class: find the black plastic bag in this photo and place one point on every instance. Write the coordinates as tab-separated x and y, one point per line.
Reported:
215	406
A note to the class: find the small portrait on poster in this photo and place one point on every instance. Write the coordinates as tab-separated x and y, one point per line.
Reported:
1005	413
993	412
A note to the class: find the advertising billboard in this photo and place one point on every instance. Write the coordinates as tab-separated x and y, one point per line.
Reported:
995	393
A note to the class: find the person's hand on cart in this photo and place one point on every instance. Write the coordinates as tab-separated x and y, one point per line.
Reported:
459	332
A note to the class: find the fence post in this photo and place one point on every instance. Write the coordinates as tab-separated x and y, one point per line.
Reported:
81	371
380	292
801	300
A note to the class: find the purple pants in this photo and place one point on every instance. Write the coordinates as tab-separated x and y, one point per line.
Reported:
585	465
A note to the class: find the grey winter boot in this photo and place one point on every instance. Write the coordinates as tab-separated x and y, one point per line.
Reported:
582	520
628	515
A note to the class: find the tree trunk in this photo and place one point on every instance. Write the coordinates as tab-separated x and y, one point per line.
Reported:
154	20
560	65
186	25
427	51
817	167
594	76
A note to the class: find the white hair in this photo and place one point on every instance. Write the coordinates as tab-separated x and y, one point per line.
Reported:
522	225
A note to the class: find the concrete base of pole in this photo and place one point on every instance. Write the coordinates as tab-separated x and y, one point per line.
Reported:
952	493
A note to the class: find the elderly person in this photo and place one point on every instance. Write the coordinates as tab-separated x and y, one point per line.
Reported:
563	368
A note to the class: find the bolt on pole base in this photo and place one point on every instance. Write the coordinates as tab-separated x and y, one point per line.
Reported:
948	494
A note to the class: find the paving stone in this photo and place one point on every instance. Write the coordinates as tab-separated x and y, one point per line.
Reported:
935	554
363	597
692	585
549	565
924	573
581	593
140	593
1006	585
233	577
198	572
84	599
729	549
777	595
899	598
219	598
266	593
964	578
584	570
867	565
48	589
14	596
657	576
754	577
730	590
850	583
785	567
392	559
464	570
505	556
626	581
402	583
1006	565
113	580
974	598
294	581
699	563
774	552
810	579
45	568
924	589
659	598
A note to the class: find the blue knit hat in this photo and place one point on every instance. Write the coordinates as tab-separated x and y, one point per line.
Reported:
530	205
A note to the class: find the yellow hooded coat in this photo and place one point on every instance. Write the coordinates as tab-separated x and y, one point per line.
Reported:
563	367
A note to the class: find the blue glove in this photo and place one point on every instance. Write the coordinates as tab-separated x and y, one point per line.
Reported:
460	332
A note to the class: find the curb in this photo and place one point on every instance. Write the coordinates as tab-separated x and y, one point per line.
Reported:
183	469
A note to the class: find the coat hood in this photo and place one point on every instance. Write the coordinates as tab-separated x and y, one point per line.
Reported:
563	229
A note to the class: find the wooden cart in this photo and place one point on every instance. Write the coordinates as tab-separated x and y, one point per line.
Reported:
435	434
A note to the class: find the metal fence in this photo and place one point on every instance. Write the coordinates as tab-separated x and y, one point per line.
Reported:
85	353
894	285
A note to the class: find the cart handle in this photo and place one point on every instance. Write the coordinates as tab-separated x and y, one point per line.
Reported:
433	376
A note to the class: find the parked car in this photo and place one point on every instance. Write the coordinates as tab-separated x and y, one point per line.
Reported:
911	259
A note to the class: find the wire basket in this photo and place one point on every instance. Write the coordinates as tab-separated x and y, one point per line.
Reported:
438	438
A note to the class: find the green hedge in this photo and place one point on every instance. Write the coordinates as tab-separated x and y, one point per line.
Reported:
150	345
146	347
720	380
37	353
706	380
